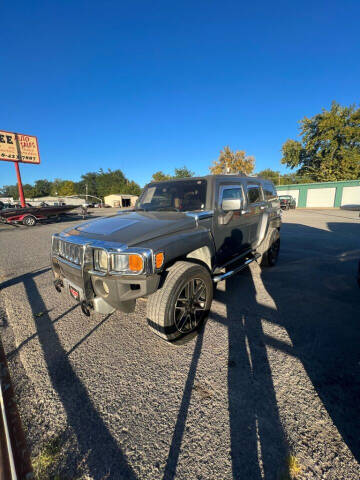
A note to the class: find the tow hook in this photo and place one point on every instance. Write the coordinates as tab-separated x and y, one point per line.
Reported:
85	307
58	284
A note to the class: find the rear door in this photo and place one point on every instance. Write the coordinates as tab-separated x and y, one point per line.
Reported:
256	207
230	228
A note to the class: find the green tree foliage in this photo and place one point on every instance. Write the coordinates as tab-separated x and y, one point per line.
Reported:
233	162
41	188
10	191
160	176
99	184
329	149
66	188
28	190
270	175
182	172
282	179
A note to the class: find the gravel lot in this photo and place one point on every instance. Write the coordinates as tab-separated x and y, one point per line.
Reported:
274	373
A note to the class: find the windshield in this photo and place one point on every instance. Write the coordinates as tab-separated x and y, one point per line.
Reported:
178	196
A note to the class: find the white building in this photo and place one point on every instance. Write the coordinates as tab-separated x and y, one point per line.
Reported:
119	200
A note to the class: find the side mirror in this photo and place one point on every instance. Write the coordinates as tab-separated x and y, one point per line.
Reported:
231	204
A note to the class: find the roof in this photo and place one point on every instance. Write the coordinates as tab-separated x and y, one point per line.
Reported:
211	178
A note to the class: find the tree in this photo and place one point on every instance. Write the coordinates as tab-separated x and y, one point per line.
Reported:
89	179
270	175
160	176
99	184
42	188
28	190
66	188
329	149
233	162
183	172
10	191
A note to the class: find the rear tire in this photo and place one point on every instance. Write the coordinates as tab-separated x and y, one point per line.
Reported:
270	248
29	221
182	303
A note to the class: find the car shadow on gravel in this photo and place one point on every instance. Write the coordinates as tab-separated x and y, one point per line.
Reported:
316	300
314	288
104	458
259	447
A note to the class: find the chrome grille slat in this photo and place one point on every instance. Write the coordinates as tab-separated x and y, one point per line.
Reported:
70	252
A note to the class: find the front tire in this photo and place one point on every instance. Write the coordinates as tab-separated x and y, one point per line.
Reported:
182	303
29	221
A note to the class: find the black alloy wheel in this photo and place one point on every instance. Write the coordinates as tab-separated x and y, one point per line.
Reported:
190	305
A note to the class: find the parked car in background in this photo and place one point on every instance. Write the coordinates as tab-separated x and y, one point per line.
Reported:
183	237
287	202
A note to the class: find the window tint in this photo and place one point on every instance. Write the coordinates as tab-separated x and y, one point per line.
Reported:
182	196
254	193
269	190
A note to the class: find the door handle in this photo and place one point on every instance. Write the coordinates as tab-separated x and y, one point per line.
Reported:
244	211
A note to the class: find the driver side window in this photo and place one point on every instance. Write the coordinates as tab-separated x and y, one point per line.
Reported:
231	197
232	193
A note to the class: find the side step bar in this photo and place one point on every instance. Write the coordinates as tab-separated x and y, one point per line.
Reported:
229	274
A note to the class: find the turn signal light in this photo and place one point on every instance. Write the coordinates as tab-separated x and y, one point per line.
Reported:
136	263
159	260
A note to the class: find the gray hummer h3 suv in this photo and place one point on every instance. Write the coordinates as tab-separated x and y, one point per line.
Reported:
183	236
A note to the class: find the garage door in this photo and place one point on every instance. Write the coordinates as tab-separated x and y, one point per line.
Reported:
320	197
293	193
350	196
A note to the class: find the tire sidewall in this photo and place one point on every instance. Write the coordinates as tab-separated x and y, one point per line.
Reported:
275	236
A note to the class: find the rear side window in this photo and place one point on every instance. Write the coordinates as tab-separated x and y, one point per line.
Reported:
269	190
254	193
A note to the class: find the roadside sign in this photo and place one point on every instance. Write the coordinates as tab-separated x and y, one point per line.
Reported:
17	147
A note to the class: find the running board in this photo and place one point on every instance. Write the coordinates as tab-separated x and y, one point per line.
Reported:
229	274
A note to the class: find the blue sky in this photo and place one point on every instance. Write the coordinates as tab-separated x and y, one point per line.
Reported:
151	85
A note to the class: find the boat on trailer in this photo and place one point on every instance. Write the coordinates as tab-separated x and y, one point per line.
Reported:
30	215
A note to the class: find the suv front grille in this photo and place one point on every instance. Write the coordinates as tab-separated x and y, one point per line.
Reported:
69	251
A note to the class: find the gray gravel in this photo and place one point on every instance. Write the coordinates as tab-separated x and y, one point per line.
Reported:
275	372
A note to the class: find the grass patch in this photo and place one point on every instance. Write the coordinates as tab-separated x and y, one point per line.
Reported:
46	461
293	469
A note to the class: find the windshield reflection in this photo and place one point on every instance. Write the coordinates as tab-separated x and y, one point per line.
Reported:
176	196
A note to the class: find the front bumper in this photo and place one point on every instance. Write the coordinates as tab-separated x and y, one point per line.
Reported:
103	292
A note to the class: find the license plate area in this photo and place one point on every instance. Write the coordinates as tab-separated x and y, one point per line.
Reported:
74	292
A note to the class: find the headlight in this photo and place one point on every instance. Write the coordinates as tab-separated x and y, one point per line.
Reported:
127	263
100	260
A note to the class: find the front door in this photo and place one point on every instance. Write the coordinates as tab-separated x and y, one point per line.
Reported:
231	228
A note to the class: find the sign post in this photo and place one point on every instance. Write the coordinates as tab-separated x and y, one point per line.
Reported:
19	148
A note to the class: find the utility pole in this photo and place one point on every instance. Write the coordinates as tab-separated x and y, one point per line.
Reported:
86	192
20	187
279	179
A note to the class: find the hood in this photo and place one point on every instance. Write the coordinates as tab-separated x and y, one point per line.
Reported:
133	228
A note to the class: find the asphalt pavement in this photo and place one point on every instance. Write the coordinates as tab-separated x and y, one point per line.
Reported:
272	381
